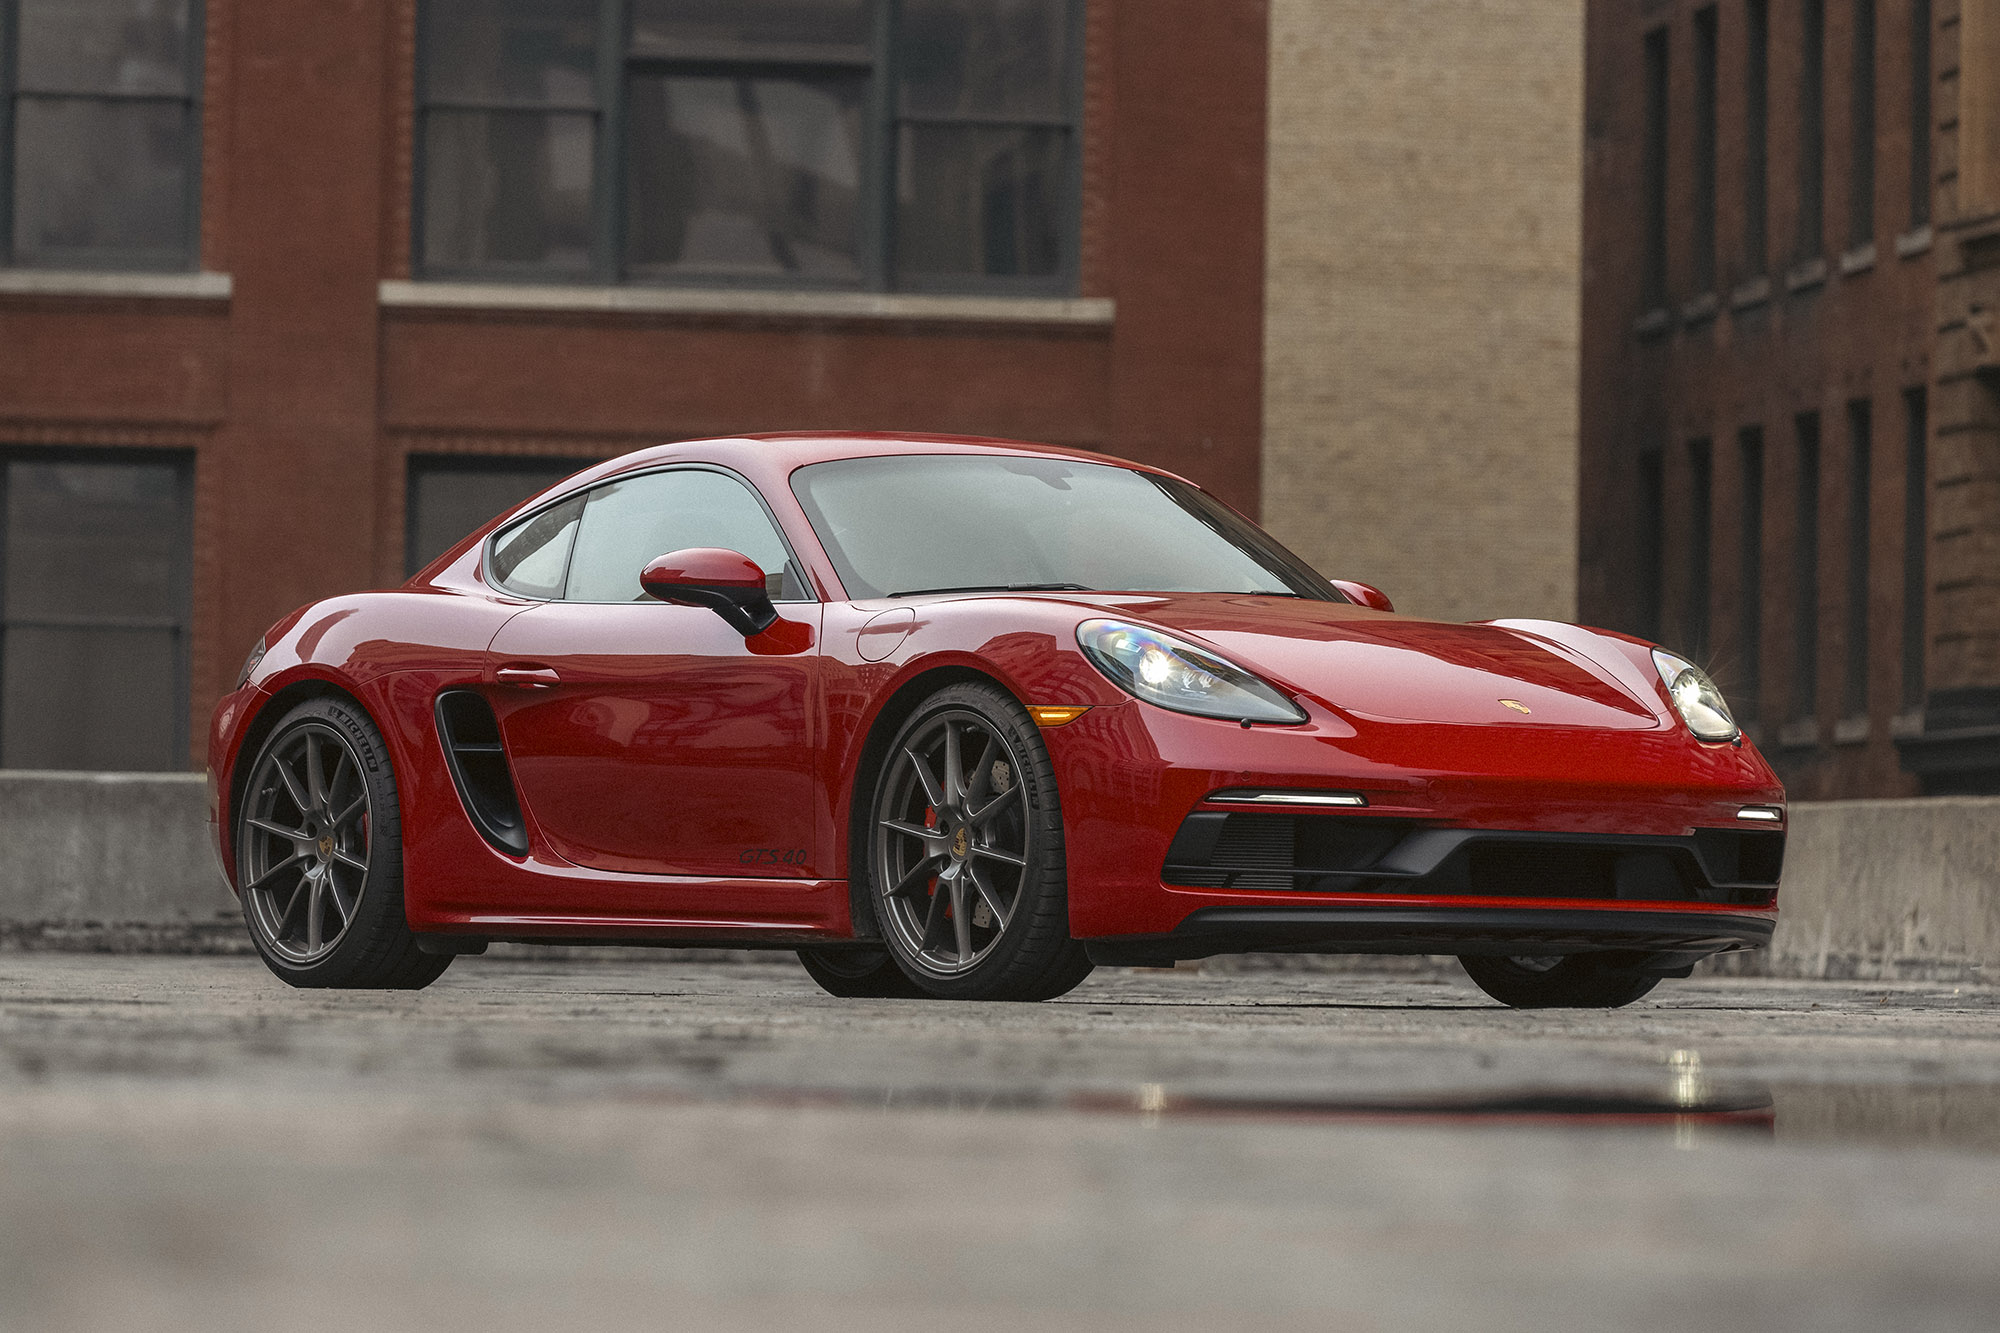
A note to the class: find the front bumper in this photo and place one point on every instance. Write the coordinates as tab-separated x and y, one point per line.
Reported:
1669	940
1468	814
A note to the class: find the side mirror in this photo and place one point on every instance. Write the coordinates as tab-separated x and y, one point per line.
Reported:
1364	594
726	582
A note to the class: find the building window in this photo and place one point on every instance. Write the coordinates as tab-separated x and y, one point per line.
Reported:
1805	573
1704	149
100	133
1920	113
1861	128
1653	283
1812	130
1652	536
1860	486
1750	575
94	579
1694	636
1916	541
878	144
449	497
1756	136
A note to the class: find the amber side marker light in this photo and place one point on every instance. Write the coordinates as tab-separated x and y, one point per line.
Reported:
1056	715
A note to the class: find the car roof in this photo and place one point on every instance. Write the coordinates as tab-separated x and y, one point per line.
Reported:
794	449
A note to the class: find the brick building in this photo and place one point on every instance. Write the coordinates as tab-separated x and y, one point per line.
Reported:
293	294
1790	441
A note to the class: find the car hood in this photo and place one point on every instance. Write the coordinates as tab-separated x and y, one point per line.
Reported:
1374	664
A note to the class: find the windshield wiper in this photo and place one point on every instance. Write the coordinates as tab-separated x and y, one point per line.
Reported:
996	587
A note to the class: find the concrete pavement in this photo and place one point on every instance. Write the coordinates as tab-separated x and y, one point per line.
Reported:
655	1142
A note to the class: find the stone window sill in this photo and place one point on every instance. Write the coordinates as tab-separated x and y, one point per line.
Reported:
1805	275
1858	260
898	306
151	286
1913	243
1701	309
1904	725
1799	735
1751	294
1652	323
1851	731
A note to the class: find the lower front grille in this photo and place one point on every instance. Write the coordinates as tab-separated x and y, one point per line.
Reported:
1350	854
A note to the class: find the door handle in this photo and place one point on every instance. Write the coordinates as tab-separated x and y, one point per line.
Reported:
529	677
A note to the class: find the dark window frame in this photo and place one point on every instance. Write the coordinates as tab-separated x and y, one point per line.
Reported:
1861	115
1655	162
1652	506
1696	621
187	259
1804	703
1916	542
1921	73
181	627
1860	552
1811	238
883	120
1750	572
1757	139
1706	86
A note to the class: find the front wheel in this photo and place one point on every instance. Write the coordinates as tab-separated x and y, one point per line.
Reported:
319	856
964	853
858	974
1579	981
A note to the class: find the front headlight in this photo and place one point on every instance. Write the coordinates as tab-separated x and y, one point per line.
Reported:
1173	673
1695	697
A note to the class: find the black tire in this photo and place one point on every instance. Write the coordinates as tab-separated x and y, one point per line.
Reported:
304	858
1579	981
858	974
991	835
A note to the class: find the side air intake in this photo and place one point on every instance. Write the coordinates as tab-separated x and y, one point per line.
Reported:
471	738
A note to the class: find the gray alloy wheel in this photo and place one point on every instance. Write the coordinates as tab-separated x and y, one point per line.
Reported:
319	855
966	857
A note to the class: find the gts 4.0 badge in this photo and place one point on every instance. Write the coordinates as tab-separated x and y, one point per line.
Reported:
772	856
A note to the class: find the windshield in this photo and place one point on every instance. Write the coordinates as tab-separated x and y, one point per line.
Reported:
942	522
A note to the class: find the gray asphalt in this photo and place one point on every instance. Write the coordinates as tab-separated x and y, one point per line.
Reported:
649	1141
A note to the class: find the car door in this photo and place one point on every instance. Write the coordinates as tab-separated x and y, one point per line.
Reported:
652	738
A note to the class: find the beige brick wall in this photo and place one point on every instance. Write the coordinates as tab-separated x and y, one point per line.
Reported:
1421	298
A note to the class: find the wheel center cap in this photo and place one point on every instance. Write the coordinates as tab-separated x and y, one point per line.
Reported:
326	848
960	843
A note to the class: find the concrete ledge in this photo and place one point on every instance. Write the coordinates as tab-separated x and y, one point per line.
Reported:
171	286
107	849
1888	890
1891	890
747	302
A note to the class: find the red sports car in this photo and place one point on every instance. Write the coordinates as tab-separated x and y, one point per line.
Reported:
962	718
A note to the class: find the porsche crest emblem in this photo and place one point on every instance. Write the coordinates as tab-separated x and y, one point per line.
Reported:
959	844
1517	705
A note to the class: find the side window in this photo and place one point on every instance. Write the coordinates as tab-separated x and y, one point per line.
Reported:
532	557
629	524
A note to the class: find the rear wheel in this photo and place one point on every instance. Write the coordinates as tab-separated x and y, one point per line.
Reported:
319	856
1578	981
964	853
858	974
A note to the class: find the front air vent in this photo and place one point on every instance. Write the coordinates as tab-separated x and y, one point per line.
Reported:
471	738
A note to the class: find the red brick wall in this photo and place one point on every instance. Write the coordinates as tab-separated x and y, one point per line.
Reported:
302	397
